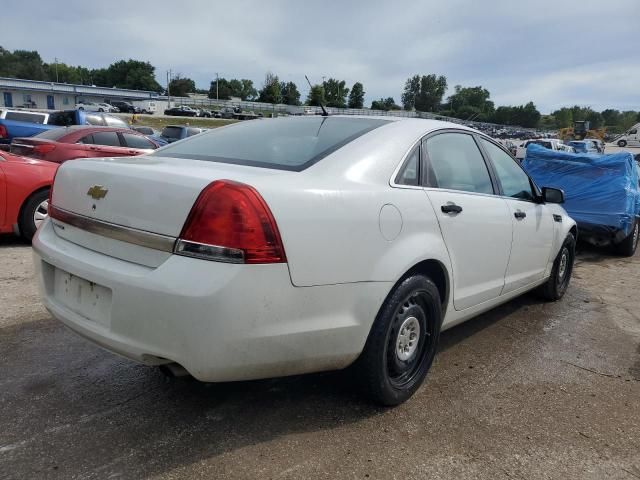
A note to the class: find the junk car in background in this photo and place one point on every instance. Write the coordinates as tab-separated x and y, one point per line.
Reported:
602	193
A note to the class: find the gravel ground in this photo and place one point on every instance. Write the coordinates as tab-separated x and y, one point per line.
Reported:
529	390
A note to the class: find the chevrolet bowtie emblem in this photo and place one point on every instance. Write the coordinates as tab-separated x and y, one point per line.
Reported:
97	192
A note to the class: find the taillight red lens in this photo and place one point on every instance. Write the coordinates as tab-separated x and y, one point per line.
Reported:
43	149
3	132
235	220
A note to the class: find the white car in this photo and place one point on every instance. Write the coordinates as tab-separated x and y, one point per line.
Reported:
105	107
299	244
89	107
550	143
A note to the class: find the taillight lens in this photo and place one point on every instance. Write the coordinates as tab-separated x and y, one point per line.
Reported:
231	222
43	149
3	132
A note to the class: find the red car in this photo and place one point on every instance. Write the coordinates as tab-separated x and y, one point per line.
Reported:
82	141
24	193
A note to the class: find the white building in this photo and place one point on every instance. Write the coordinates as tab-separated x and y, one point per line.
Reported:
33	94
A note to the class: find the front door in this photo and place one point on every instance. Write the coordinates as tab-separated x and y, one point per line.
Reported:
532	221
475	222
50	102
8	99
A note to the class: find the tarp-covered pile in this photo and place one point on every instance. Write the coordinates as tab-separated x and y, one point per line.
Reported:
601	191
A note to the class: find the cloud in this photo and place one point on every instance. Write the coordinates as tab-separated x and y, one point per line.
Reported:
554	53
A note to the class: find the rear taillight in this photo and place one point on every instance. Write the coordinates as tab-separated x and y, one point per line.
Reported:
3	132
43	149
230	222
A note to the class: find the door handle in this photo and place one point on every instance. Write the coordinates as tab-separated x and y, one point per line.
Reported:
94	148
519	214
451	208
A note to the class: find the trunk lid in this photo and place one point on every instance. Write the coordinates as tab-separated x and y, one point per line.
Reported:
152	194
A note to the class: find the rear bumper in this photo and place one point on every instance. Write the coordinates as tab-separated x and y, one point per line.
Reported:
222	322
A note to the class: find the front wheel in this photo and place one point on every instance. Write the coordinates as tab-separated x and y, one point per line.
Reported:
402	342
33	213
622	143
628	246
556	285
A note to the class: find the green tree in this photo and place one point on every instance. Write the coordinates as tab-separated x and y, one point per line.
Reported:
610	116
131	74
270	92
220	89
335	92
356	96
316	96
424	93
290	93
181	86
385	104
248	90
471	102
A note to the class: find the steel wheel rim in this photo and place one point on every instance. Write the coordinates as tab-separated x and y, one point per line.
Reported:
564	262
41	213
414	309
635	235
407	339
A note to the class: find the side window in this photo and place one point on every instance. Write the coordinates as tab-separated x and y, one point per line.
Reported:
137	141
455	163
106	138
87	139
410	172
515	183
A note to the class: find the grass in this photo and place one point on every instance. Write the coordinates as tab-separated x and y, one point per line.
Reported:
160	122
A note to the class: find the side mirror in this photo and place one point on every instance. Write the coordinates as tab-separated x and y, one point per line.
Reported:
552	195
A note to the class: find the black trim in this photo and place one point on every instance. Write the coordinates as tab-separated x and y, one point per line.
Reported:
398	179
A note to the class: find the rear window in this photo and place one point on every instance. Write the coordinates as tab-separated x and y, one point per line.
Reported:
281	143
62	119
172	132
25	117
53	134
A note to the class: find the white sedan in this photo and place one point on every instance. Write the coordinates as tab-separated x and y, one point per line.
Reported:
300	244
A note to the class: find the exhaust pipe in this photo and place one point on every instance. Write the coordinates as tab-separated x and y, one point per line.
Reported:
174	370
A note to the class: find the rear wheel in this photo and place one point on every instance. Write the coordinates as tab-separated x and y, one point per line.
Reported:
33	213
622	143
558	281
402	342
628	246
101	109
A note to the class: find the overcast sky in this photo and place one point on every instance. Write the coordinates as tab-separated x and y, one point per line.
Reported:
556	53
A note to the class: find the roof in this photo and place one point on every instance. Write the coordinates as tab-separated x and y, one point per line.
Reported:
74	89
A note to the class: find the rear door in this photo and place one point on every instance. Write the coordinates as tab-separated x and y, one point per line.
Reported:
533	222
105	144
475	222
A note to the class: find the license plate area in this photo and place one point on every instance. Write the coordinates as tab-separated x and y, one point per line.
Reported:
87	299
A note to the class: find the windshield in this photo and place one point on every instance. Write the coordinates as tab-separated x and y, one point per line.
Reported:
282	143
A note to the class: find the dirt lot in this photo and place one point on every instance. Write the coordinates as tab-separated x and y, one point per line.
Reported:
529	390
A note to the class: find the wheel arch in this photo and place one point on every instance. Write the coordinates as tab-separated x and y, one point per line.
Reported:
437	272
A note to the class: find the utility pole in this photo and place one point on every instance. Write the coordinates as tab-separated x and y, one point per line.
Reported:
217	81
56	62
168	87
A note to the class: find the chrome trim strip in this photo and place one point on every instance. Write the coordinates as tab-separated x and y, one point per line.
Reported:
142	238
205	251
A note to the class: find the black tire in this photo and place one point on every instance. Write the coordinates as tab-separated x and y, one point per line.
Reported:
558	282
81	108
26	222
383	375
101	109
622	143
628	246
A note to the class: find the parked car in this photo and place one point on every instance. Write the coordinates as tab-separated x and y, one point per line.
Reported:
549	143
173	133
630	138
105	107
19	128
68	143
151	134
24	116
124	107
597	143
89	107
583	146
24	188
602	192
182	111
299	245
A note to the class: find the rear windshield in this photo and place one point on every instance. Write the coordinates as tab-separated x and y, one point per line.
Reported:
53	134
172	132
25	117
292	143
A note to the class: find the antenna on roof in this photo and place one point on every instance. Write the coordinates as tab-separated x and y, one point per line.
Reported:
324	110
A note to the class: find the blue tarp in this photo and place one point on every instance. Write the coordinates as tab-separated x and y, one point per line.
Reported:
601	191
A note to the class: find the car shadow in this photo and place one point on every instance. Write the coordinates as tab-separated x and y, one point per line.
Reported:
11	240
